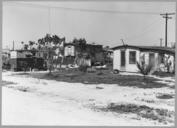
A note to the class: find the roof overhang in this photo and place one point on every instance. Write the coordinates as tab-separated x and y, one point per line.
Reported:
156	49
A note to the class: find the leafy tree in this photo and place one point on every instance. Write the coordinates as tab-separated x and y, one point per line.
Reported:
22	42
50	43
81	47
47	40
39	47
26	46
41	42
81	44
84	55
31	43
45	45
57	42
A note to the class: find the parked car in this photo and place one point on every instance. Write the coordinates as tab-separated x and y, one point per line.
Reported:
99	65
72	66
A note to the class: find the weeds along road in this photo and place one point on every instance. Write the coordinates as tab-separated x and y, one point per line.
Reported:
31	101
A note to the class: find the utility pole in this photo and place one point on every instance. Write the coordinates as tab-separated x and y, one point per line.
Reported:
13	46
161	42
166	16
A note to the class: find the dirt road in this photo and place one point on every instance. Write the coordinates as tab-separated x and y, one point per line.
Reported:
31	101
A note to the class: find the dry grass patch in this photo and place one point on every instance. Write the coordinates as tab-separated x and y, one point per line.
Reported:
160	115
104	78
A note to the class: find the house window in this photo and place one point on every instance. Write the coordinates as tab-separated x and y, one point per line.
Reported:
132	57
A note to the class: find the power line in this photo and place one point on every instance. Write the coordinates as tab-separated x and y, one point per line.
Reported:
84	10
13	47
153	40
145	30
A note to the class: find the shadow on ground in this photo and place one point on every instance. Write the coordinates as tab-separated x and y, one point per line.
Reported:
105	77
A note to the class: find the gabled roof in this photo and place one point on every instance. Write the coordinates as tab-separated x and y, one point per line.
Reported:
158	49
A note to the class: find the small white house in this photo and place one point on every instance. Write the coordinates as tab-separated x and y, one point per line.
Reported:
69	49
125	57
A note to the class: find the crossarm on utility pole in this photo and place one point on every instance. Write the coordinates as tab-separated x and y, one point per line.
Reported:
166	16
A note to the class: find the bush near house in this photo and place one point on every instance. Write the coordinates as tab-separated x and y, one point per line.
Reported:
144	69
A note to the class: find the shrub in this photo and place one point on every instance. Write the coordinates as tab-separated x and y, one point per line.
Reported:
144	69
83	68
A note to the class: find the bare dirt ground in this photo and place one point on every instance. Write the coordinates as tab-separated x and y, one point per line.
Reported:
37	99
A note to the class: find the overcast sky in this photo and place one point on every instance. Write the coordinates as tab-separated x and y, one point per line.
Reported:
137	23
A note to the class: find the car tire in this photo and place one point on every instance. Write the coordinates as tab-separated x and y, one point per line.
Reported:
116	71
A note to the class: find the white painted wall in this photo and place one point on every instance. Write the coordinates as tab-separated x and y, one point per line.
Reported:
13	54
17	54
146	57
69	50
171	60
156	61
116	59
132	67
128	67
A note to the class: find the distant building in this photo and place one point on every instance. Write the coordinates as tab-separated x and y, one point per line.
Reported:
71	50
125	57
21	60
41	54
6	53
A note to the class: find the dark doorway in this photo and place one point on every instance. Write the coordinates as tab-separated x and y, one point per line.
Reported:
151	58
122	59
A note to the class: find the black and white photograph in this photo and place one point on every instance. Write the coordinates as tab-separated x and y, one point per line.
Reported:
88	63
